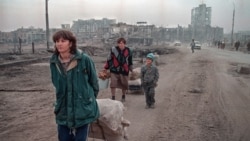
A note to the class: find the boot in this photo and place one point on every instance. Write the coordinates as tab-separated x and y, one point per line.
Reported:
123	98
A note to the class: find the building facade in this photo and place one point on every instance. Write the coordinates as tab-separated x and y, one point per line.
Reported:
200	22
200	26
89	28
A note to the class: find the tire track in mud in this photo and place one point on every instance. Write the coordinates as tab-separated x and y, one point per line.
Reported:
177	121
233	99
189	115
212	119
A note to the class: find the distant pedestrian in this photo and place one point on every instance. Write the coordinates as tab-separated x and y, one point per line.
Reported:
248	46
119	62
219	44
237	45
149	79
223	45
192	45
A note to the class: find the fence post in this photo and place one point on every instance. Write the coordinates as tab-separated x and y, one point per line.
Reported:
33	47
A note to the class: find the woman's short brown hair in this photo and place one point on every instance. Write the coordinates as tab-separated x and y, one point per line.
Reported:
67	35
121	40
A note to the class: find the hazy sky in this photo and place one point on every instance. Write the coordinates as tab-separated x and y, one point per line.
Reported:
25	13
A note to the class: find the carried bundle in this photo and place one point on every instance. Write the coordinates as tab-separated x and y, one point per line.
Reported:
135	74
104	74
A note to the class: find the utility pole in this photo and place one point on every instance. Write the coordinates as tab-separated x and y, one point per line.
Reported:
232	33
47	23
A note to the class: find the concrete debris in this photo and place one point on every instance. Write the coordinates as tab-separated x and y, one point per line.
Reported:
243	69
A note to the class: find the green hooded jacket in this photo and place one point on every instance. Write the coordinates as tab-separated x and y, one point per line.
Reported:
76	91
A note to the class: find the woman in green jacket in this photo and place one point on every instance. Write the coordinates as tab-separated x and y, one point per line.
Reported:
74	77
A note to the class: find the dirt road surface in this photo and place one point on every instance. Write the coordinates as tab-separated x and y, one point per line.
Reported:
200	97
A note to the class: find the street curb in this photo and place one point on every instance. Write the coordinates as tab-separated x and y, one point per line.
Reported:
24	62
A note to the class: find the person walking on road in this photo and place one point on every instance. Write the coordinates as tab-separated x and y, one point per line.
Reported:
248	46
237	45
192	45
119	63
75	80
149	79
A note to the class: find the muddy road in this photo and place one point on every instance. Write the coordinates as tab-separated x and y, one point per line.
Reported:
200	97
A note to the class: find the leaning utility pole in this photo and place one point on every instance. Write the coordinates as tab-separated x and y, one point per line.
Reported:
232	34
47	23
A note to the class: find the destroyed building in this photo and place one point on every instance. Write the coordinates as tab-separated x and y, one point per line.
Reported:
201	25
142	33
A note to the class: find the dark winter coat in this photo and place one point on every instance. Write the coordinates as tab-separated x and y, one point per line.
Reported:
76	91
149	75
